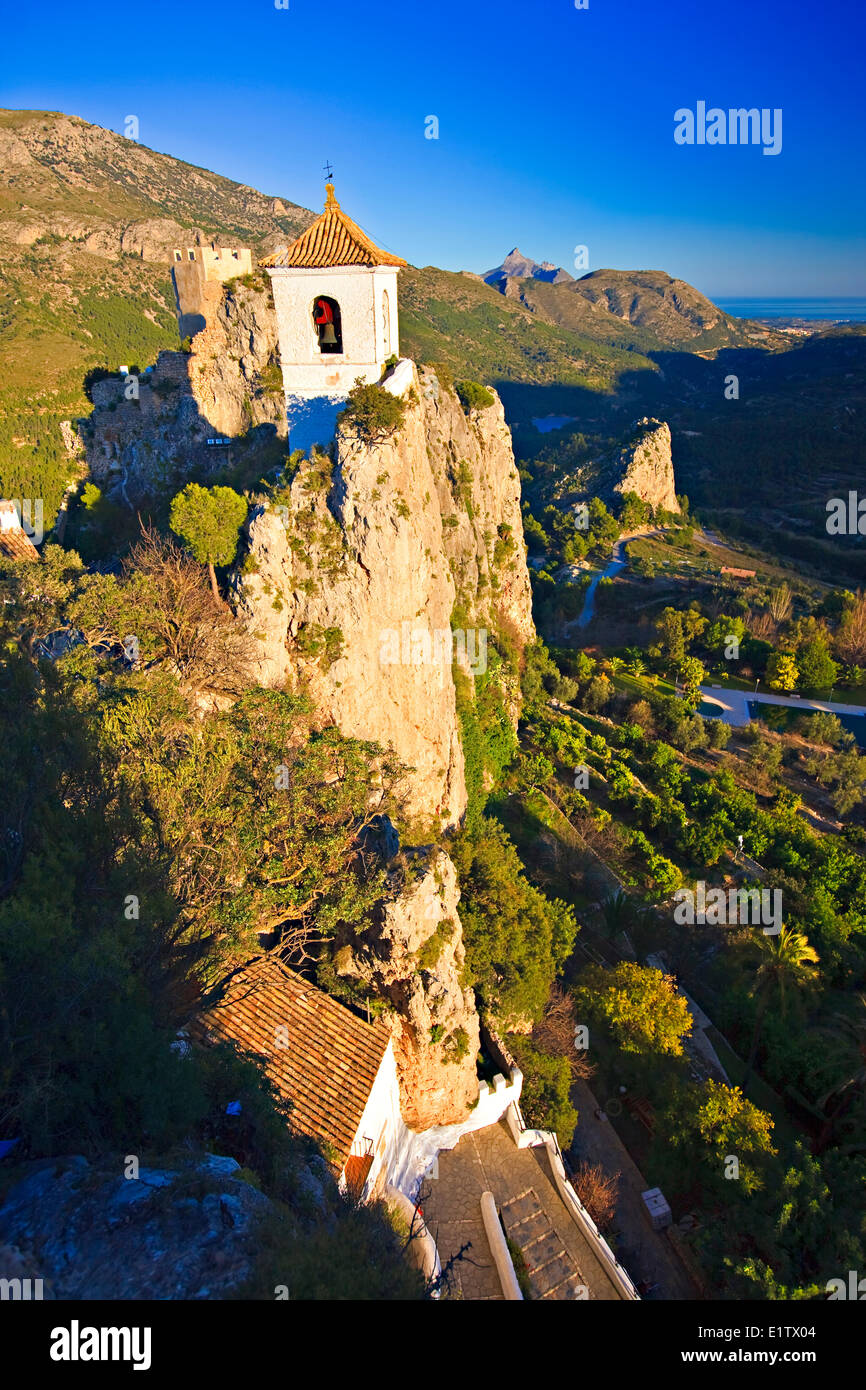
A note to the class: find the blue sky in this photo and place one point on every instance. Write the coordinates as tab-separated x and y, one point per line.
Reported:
555	124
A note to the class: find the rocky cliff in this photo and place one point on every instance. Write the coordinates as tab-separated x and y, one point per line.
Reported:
367	578
413	957
645	465
227	387
355	571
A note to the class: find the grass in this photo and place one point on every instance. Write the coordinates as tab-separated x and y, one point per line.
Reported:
638	685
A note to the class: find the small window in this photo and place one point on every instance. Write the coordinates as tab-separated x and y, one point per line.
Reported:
191	255
328	324
386	319
178	256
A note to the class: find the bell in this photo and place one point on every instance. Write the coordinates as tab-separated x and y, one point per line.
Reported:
328	334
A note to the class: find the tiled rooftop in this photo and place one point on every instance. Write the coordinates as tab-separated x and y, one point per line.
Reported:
332	240
330	1063
15	544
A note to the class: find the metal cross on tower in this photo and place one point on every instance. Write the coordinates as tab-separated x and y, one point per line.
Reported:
329	173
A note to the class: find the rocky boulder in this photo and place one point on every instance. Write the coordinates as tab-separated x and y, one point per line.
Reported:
91	1233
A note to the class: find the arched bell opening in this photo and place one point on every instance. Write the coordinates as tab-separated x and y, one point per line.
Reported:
328	323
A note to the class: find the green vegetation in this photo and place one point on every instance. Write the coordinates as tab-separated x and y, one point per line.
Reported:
473	396
171	836
208	521
374	412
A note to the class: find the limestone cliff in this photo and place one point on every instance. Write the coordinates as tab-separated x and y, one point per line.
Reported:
354	572
645	465
478	489
227	387
413	957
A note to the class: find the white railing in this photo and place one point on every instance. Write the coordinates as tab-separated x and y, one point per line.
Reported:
533	1138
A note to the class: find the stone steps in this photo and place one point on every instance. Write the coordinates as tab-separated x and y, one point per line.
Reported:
552	1271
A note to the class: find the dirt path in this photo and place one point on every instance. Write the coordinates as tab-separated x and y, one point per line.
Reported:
645	1253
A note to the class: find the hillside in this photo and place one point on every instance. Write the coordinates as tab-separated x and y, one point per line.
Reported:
87	223
478	332
88	220
645	310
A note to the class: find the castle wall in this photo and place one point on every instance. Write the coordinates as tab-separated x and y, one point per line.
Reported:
198	282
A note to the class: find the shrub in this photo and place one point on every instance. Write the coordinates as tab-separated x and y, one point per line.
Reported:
597	1191
544	1099
372	411
473	396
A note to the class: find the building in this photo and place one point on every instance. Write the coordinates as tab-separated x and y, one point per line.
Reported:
338	1072
15	544
335	294
198	274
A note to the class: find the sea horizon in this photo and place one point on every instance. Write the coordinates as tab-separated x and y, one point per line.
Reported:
836	307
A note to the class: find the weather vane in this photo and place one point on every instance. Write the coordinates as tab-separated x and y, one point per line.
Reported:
329	173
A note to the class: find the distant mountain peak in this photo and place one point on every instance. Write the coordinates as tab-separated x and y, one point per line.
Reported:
516	266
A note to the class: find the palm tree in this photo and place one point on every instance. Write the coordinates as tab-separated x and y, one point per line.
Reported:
616	914
620	913
785	959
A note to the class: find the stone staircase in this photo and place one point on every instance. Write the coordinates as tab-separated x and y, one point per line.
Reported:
552	1270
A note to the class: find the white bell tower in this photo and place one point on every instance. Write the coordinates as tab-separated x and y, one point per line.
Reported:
335	294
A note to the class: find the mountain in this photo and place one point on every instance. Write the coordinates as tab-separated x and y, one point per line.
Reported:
516	266
88	220
478	332
643	309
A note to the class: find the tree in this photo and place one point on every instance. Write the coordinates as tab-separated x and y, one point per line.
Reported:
373	411
721	631
671	643
780	604
164	601
208	521
817	669
597	1191
851	633
639	1006
621	911
785	961
597	694
516	938
603	528
635	512
473	396
692	674
700	1129
718	732
845	1062
782	671
824	727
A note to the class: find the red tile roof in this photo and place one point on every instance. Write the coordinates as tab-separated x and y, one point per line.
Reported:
332	240
15	544
332	1058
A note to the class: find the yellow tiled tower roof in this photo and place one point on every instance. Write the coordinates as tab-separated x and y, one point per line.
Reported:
332	240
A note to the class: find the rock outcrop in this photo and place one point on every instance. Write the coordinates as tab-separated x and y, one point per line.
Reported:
228	387
353	577
413	956
645	465
354	573
89	1232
